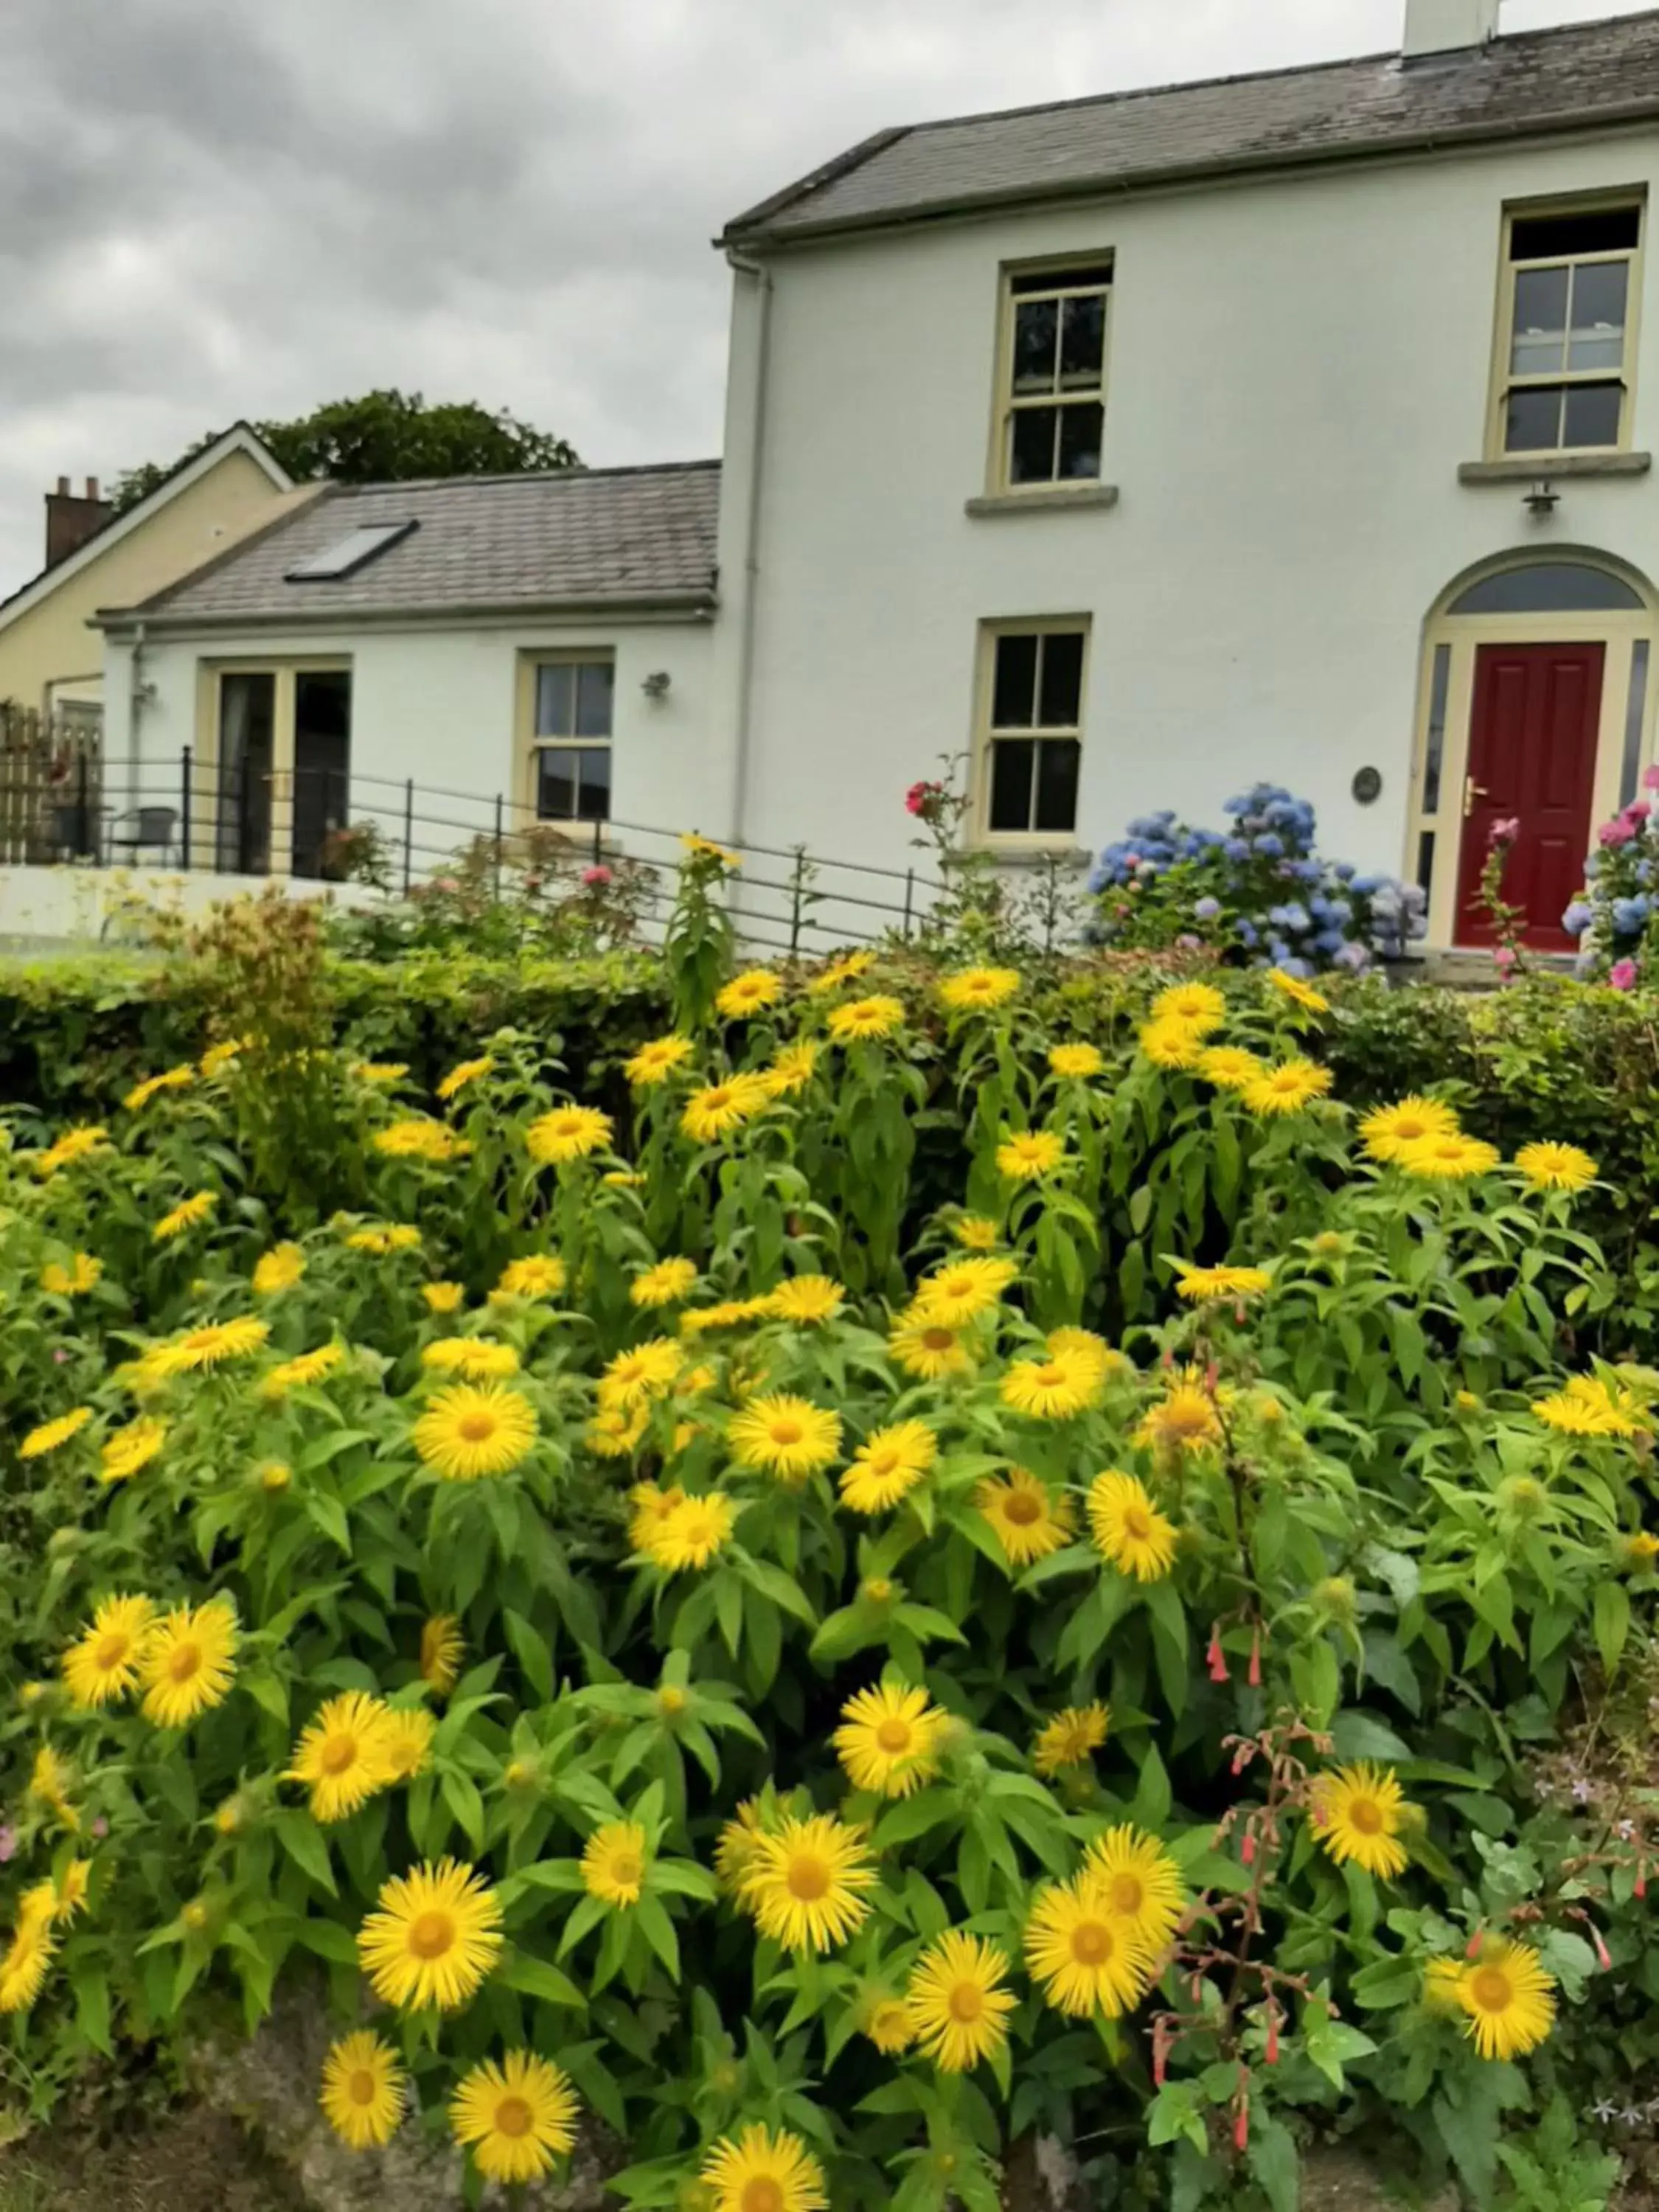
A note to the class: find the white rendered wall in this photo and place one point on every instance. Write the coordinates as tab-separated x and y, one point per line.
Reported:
1296	371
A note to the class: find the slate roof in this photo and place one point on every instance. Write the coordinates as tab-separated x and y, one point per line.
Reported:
1534	83
576	537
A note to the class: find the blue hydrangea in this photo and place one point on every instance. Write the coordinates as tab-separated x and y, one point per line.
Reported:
1206	909
1269	847
1629	915
1577	918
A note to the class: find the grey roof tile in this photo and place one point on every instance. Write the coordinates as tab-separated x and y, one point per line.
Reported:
1536	82
580	536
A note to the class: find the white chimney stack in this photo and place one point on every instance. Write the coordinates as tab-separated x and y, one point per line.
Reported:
1448	26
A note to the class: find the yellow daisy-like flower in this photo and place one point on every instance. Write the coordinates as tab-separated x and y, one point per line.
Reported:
50	1782
420	1138
806	1300
74	1144
932	1352
408	1743
1083	1345
469	1432
1075	1062
1070	1739
23	1967
1200	1284
889	1738
748	993
981	987
888	1466
539	1275
1357	1813
568	1132
649	1370
614	1431
443	1297
1185	1420
279	1269
614	1864
734	1847
102	1666
1442	1985
846	970
188	1663
1388	1129
714	1112
885	2021
732	1313
792	1070
1054	1389
786	1436
1286	1089
861	1019
1128	1528
1641	1549
1138	1883
516	2118
83	1274
664	1284
176	1079
273	1476
434	1937
191	1213
381	1071
1174	1046
808	1885
213	1344
1027	1521
121	1455
760	2171
1087	1961
69	1895
442	1652
474	1358
655	1062
959	2002
1029	1154
363	2091
1556	1167
1299	992
962	1290
1454	1158
1229	1067
1588	1407
691	1532
341	1757
298	1374
401	1237
976	1234
1507	1996
53	1436
466	1072
1197	1006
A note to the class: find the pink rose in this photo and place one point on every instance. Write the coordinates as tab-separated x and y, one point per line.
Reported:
1617	833
1624	975
1651	779
920	796
1640	810
595	876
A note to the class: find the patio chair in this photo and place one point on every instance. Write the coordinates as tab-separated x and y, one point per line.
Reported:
144	830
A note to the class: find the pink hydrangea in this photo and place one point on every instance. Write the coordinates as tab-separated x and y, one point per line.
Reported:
1618	832
1624	975
1503	959
1640	810
1650	778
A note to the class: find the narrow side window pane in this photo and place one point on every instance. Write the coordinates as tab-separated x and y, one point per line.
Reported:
1031	445
1079	440
593	795
555	707
555	786
1596	339
1036	326
1541	321
1425	862
1635	717
1592	415
1058	761
1060	706
596	682
1012	765
1533	421
1082	342
1439	690
1014	701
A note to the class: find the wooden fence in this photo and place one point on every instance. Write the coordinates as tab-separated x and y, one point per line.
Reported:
52	785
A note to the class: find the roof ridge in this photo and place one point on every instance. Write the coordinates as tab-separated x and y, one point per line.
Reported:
335	488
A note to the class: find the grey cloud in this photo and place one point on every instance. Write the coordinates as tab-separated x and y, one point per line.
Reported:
216	208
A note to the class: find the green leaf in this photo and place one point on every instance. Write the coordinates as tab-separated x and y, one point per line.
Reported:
300	1838
1275	2163
534	1977
1611	1623
531	1653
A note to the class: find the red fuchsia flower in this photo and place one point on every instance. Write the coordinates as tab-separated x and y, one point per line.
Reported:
595	876
1624	975
1255	1661
1242	2124
1505	832
1217	1659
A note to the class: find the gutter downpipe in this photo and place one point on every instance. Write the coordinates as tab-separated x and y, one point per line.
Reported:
758	271
138	698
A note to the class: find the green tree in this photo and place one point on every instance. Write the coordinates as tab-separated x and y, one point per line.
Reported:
384	437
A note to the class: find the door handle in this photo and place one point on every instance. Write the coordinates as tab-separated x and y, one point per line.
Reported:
1472	791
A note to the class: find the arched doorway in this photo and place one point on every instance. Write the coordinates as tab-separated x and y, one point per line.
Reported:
1537	705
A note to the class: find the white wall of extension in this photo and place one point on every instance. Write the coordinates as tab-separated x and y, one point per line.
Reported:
1296	371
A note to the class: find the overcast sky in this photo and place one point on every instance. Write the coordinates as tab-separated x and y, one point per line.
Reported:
216	208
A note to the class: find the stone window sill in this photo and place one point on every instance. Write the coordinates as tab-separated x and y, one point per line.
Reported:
1034	856
1558	469
1042	502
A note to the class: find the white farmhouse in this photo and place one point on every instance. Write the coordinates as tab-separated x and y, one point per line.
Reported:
1288	427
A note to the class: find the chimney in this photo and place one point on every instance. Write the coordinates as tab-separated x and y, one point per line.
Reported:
1448	26
72	518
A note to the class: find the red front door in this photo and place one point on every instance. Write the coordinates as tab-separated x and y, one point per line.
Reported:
1532	760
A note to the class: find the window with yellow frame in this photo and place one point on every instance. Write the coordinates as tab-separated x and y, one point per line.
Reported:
1029	741
1051	375
571	704
1566	332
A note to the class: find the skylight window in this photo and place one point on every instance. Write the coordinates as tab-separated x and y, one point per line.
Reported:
348	554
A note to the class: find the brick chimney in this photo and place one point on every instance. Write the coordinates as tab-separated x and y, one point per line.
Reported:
72	517
1448	26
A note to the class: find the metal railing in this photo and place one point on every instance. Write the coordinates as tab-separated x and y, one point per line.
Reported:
406	839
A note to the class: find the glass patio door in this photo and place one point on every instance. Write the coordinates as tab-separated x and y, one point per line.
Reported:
246	765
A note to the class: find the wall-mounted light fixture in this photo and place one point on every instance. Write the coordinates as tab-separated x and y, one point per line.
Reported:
656	686
1542	499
